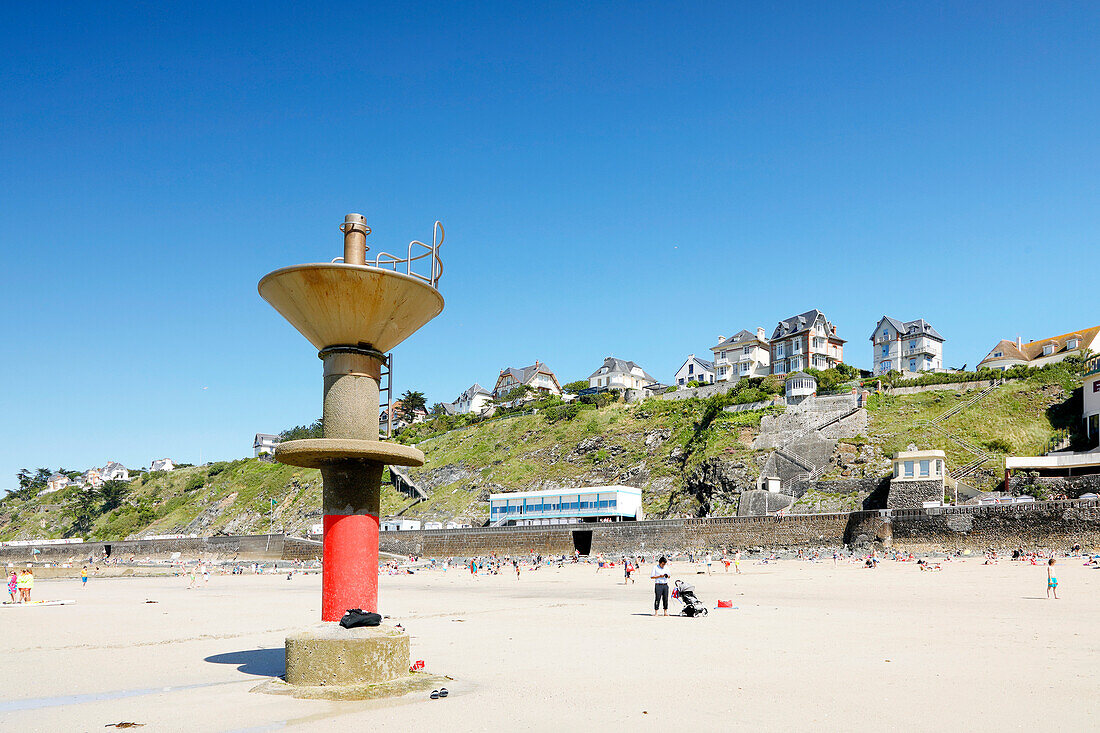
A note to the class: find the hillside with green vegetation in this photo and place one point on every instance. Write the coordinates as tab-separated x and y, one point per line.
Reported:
690	457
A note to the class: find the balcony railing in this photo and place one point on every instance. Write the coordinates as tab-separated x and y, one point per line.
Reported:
416	252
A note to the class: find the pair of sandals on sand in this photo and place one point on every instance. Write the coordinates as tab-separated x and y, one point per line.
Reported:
441	692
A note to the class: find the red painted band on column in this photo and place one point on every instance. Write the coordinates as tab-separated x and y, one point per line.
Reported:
349	578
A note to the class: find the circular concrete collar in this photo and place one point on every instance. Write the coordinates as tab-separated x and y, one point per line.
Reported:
319	452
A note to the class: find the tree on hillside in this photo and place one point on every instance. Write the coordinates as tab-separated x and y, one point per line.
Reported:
411	401
84	509
575	387
437	409
112	494
298	432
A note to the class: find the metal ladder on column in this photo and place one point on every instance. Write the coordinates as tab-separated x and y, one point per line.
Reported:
385	394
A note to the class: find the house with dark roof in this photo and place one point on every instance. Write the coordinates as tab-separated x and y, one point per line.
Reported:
264	444
807	340
908	347
744	354
474	399
1008	354
695	369
537	376
621	375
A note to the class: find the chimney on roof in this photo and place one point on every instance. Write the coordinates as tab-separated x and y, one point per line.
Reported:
721	338
1020	342
760	333
834	330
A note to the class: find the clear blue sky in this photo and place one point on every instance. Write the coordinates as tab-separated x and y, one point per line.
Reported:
629	179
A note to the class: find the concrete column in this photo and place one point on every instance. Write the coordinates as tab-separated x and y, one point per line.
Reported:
351	487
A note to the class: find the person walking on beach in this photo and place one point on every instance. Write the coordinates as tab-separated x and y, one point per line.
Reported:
13	583
710	559
1052	582
84	576
737	561
191	575
660	585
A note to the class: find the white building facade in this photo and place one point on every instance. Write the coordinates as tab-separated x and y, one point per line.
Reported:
909	347
1008	354
620	374
745	354
475	399
695	369
1091	400
264	444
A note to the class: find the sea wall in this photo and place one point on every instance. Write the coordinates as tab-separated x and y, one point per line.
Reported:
225	547
1038	525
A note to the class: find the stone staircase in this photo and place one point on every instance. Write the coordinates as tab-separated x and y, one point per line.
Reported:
403	483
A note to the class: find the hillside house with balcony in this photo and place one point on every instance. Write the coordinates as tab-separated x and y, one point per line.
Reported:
745	354
1007	354
538	377
908	347
805	341
695	369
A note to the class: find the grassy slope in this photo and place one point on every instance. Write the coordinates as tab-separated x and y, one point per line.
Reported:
1018	418
528	451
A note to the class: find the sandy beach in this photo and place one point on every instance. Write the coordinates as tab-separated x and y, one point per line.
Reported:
808	644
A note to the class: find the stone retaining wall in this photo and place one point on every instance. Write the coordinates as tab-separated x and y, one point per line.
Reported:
244	547
950	387
1042	524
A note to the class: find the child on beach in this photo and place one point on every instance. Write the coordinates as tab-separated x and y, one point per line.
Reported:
13	584
84	576
737	561
1052	582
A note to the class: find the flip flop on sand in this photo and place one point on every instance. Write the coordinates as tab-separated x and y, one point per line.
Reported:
443	692
435	694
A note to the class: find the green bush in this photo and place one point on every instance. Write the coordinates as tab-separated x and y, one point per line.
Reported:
194	482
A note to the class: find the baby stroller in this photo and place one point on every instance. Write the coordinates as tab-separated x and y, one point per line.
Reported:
692	605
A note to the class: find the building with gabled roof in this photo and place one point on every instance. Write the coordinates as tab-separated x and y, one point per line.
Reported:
744	354
474	399
807	340
621	375
906	346
537	376
695	369
1007	354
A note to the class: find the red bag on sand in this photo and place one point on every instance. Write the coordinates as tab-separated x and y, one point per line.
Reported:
725	604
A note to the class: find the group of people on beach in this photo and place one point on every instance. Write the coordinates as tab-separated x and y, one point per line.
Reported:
20	584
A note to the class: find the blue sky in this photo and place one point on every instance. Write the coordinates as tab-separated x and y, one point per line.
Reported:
627	179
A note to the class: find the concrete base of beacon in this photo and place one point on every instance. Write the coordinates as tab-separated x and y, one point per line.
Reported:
334	663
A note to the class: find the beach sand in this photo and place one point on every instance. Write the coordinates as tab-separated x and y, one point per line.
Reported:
809	645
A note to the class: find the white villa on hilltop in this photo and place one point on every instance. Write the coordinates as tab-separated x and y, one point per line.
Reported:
804	341
908	347
162	464
474	400
264	444
695	369
745	354
621	375
538	377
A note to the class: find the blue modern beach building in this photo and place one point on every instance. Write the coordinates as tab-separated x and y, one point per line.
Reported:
566	506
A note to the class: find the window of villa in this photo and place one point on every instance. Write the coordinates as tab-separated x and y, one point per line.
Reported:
909	469
747	350
925	467
1072	344
998	353
1048	350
